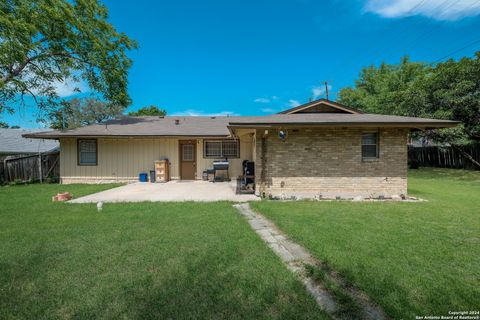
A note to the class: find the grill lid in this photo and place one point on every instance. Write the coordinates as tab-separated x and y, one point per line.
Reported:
220	164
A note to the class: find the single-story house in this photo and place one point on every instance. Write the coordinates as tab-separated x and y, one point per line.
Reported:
321	147
12	143
20	156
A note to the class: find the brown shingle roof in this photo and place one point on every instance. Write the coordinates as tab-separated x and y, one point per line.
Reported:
148	126
219	126
320	102
341	119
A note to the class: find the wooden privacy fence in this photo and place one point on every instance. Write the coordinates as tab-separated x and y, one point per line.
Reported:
31	168
445	157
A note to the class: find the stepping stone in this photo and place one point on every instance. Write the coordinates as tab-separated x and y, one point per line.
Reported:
295	257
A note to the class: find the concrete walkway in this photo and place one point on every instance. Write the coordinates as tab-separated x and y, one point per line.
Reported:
296	257
170	191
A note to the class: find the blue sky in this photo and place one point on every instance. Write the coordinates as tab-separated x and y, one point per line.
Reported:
258	57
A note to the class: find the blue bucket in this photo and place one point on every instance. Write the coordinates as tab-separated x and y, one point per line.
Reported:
143	177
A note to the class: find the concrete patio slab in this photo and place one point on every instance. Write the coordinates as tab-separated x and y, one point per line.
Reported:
171	191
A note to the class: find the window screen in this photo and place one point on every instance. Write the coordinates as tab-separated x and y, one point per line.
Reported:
230	149
221	149
213	149
370	145
87	152
188	152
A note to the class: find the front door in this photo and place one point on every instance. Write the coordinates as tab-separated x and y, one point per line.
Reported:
187	159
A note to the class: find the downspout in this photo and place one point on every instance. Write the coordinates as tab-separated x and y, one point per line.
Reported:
263	163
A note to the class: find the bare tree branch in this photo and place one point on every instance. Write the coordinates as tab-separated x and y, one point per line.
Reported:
15	72
467	156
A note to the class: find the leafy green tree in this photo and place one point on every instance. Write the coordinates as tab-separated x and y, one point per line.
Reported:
5	125
44	42
449	90
81	112
148	111
453	92
387	89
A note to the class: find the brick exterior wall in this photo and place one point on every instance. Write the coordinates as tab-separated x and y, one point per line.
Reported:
329	162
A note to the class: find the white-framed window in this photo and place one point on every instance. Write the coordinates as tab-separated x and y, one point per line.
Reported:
221	149
87	152
370	145
188	152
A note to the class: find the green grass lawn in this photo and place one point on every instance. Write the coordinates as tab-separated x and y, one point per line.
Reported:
143	260
411	258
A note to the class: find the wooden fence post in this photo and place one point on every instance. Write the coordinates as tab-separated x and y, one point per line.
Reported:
446	157
40	175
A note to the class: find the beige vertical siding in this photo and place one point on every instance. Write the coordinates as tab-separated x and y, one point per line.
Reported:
123	159
246	153
118	159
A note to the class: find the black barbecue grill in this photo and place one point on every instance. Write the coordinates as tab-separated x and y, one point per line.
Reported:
220	165
246	182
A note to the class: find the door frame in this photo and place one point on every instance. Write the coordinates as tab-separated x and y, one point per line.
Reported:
180	156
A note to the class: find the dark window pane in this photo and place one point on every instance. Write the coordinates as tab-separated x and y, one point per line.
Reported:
369	138
87	152
230	149
370	145
88	158
369	151
213	149
220	149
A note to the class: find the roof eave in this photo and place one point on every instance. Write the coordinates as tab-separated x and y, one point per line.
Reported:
416	125
320	101
34	136
56	137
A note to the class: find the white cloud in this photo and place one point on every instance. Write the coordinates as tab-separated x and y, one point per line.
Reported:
435	9
69	88
64	89
293	103
266	100
199	113
319	91
268	110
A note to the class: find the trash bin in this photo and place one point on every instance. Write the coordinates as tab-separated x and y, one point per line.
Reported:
143	177
152	176
210	174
